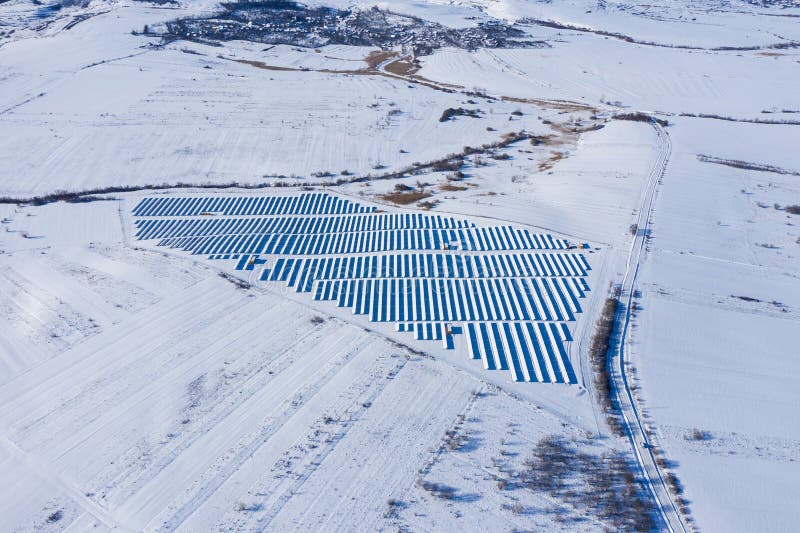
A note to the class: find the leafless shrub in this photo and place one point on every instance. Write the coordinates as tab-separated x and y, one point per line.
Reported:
239	283
450	164
517	508
598	353
640	117
734	119
555	157
603	485
539	140
249	507
449	187
394	506
699	435
405	198
452	112
439	490
455	176
88	199
746	165
674	484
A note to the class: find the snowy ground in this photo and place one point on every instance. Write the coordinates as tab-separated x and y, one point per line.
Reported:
140	390
722	272
197	411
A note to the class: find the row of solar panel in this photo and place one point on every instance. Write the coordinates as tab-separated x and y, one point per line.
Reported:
425	331
532	352
425	293
471	239
310	203
400	300
185	227
437	331
301	272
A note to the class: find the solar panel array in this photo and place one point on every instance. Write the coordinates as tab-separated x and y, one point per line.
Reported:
509	291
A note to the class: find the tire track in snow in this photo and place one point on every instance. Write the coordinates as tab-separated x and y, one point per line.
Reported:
47	472
194	473
104	372
634	427
290	469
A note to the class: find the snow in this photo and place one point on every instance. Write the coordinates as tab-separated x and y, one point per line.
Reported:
177	121
191	405
588	195
688	24
592	69
709	359
142	390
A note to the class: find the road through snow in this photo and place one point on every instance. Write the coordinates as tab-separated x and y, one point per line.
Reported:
637	435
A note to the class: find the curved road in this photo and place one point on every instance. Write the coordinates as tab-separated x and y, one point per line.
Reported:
639	440
634	427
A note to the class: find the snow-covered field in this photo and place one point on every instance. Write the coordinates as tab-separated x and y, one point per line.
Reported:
716	343
147	388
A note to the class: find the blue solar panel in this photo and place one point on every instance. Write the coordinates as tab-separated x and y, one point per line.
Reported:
513	291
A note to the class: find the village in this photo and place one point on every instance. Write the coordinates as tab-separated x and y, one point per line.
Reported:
281	22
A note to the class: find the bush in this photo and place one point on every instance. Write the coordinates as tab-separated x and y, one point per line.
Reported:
405	198
452	112
249	507
394	506
605	485
445	165
439	490
640	117
456	176
699	435
449	187
538	140
598	353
